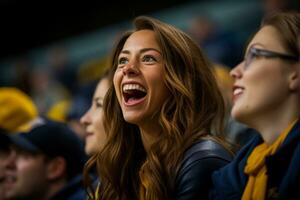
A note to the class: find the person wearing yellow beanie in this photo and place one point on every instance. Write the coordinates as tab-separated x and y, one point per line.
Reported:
17	110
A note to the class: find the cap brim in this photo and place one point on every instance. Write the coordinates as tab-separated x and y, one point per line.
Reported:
20	141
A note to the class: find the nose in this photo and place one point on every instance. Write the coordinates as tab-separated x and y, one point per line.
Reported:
85	119
131	69
236	72
10	162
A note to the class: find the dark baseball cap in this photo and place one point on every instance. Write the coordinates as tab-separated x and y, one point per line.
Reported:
54	139
4	141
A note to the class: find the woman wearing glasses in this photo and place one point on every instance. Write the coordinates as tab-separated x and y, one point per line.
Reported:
266	97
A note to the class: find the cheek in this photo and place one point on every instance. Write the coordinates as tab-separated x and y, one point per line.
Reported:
156	78
26	166
160	88
99	120
262	84
100	138
117	82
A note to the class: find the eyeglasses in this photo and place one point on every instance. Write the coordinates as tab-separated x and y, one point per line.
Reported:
255	53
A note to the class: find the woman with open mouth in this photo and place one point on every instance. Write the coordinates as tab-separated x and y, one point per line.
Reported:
163	113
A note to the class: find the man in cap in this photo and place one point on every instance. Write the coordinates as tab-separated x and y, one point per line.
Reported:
45	163
18	113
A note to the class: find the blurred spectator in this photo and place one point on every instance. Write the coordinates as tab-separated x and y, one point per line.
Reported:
59	111
95	136
219	45
5	151
45	163
63	71
17	110
46	91
17	113
22	74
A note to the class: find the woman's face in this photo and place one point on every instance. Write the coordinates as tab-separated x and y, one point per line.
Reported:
139	80
92	120
261	83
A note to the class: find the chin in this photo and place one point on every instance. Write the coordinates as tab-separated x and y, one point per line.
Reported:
87	151
132	119
236	114
240	117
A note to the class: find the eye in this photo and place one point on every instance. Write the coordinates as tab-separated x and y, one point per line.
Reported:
251	55
254	54
149	59
99	104
122	61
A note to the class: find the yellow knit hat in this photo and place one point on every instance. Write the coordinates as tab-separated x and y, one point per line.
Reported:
17	110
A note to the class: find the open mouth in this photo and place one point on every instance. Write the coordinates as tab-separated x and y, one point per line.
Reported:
133	92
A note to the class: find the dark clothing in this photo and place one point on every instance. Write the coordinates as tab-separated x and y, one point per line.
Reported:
283	170
194	177
73	191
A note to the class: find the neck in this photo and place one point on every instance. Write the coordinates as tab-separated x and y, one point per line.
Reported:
55	188
273	123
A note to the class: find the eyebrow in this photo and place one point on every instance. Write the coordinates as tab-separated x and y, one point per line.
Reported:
253	45
142	50
257	44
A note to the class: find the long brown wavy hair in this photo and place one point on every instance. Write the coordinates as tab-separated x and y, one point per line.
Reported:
194	110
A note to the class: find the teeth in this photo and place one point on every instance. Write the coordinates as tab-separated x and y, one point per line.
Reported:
127	87
237	91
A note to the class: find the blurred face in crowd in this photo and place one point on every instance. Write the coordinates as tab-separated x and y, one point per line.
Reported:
139	80
4	155
92	120
26	176
262	80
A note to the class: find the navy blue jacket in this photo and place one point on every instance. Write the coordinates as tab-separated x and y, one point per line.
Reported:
283	169
74	190
194	178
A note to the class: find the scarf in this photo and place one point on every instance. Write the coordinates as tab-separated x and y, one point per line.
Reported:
256	168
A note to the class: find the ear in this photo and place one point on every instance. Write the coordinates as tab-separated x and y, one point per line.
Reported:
56	168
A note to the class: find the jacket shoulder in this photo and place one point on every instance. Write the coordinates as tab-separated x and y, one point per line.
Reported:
200	160
205	149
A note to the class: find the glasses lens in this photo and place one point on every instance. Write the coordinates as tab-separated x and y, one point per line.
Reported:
248	58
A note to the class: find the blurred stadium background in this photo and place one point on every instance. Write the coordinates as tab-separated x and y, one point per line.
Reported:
55	51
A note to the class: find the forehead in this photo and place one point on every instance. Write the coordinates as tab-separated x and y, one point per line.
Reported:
141	39
268	37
